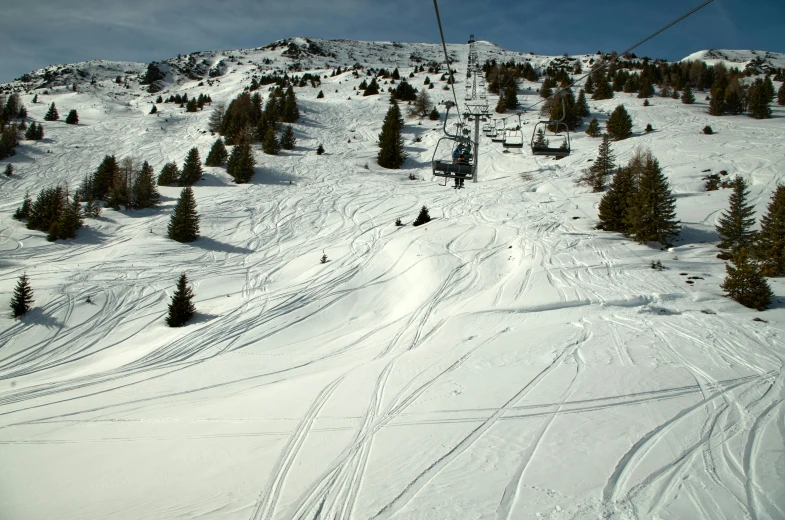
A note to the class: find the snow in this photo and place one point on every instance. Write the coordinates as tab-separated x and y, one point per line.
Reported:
506	360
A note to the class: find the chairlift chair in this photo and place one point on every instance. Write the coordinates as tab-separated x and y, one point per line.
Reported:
498	137
557	126
453	157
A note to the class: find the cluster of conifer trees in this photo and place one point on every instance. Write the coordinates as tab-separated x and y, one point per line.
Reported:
119	183
54	211
245	117
639	202
10	109
753	254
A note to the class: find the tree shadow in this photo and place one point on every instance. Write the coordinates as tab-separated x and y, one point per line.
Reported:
89	235
696	235
210	244
38	316
267	176
202	317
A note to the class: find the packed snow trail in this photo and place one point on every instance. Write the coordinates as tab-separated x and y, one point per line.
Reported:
506	360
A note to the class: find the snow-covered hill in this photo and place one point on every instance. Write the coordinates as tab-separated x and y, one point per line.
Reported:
756	61
506	360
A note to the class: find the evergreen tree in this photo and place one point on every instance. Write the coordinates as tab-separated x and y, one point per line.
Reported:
145	193
511	96
241	163
589	86
35	99
170	175
770	247
433	115
651	215
270	145
687	97
594	128
646	89
320	150
545	89
92	209
192	169
154	110
759	104
582	106
619	125
501	106
320	95
22	300
181	308
745	282
768	89
735	225
717	101
191	106
52	114
184	223
392	154
290	111
423	218
216	118
9	170
72	118
9	139
217	155
781	95
47	208
35	132
68	223
602	166
614	204
103	179
603	90
373	88
23	212
288	140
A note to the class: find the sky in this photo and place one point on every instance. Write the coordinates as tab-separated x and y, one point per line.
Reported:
37	33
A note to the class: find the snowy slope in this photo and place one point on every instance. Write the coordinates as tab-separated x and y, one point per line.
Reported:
504	361
763	60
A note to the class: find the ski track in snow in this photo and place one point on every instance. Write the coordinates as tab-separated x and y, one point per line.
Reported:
373	385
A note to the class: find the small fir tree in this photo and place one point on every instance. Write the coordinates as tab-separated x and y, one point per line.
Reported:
602	166
648	128
433	115
582	106
320	150
603	90
68	223
745	282
373	88
735	226
217	155
651	215
540	142
288	141
154	109
423	218
589	86
184	223
35	99
145	193
619	124
781	95
192	169
72	118
9	170
511	96
769	249
170	175
320	95
181	308
270	145
22	300
392	154
23	212
241	164
616	201
594	128
758	101
707	130
52	114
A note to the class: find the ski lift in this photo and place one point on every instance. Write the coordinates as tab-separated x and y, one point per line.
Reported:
539	143
514	138
453	157
498	137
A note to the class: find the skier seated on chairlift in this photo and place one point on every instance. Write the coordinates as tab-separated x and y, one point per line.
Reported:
460	155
